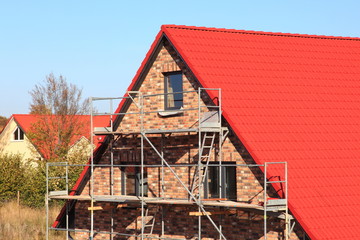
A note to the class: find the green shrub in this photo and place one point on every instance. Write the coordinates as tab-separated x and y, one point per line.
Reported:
34	190
29	178
12	176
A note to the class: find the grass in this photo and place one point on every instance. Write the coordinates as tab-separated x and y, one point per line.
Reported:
20	222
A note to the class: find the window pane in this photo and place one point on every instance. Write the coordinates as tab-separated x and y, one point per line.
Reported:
16	134
230	182
138	183
213	182
21	137
130	181
174	84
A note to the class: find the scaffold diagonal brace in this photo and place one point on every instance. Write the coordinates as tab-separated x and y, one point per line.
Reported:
184	186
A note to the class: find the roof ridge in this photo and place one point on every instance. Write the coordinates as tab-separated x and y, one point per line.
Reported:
20	114
280	34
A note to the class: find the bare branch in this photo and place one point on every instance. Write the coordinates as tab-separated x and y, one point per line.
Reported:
58	105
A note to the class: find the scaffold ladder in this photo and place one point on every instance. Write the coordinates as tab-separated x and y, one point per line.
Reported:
151	222
206	149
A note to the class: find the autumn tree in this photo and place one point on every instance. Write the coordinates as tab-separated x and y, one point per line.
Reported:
3	121
58	106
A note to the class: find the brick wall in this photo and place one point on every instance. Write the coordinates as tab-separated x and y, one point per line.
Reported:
177	148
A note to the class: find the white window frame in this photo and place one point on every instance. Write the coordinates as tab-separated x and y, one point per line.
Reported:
18	137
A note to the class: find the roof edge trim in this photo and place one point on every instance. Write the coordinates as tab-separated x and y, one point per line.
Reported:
252	32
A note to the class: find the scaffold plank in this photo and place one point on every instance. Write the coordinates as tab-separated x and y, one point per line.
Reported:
150	200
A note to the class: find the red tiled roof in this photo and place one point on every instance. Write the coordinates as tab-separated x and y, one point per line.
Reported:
294	98
26	121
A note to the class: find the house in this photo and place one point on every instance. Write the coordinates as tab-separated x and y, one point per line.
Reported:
14	136
281	161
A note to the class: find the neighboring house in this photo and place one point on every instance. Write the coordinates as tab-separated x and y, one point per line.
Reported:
14	136
284	97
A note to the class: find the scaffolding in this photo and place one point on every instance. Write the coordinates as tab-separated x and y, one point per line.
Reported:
211	134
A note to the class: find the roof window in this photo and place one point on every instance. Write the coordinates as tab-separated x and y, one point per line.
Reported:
18	135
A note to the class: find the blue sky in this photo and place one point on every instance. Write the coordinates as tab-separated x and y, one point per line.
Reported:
99	45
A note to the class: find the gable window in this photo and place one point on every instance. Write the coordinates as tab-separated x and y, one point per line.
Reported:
173	90
227	180
18	134
131	181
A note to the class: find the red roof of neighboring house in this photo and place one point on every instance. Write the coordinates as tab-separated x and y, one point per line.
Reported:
25	121
288	97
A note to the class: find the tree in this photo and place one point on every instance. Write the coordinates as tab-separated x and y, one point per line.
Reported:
57	97
3	121
57	104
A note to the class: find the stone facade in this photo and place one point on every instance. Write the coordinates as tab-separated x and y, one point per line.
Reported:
177	148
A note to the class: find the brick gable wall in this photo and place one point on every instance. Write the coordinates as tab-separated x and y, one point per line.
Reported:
178	148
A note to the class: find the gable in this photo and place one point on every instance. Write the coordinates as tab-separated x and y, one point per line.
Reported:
9	128
152	86
10	145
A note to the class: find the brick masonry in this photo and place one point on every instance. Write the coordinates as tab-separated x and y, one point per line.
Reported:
177	148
